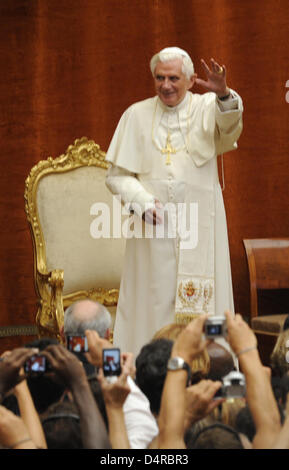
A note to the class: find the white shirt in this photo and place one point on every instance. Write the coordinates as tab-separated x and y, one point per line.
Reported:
140	424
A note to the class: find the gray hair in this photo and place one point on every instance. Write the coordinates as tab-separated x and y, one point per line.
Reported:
172	53
100	321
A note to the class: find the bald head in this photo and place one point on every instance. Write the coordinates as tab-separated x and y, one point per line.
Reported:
85	309
87	315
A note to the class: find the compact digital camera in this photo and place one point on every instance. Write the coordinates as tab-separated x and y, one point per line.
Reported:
36	365
77	343
215	327
234	386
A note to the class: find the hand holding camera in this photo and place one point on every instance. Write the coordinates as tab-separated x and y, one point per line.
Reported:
95	347
65	365
240	336
111	363
190	341
39	364
215	327
233	386
36	365
201	401
10	368
77	343
113	378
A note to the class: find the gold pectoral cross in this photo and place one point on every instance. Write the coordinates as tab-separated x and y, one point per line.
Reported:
168	150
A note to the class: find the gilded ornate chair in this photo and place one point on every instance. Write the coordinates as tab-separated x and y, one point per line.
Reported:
69	263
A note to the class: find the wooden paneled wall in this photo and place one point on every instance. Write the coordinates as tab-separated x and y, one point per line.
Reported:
70	68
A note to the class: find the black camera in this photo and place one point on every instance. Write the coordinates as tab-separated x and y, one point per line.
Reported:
36	365
234	386
215	326
77	344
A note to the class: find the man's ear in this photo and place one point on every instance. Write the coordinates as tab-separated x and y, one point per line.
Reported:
107	334
192	81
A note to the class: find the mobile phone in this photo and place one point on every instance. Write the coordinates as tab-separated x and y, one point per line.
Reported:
36	365
111	362
76	343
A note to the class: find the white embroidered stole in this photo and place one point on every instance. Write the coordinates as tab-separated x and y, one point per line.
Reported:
195	293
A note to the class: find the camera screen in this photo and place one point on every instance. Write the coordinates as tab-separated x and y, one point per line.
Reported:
77	344
236	391
111	362
214	329
35	364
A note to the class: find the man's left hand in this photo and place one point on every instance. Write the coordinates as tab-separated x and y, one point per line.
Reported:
216	78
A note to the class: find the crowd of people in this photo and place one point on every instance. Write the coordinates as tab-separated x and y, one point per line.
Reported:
67	402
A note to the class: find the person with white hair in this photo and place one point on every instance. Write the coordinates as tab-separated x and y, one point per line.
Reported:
164	167
87	314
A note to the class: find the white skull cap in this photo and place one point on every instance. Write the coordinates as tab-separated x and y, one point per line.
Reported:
175	50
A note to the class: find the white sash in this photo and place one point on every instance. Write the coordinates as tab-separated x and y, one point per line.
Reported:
195	293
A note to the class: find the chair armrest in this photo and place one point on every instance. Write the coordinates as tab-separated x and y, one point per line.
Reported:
50	314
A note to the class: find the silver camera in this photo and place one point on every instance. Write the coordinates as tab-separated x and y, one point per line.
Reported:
215	327
234	386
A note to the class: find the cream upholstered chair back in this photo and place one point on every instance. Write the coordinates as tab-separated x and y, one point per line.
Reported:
65	197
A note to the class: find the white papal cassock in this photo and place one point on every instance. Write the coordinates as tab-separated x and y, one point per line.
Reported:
179	276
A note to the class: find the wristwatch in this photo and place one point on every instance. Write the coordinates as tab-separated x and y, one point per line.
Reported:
225	97
178	363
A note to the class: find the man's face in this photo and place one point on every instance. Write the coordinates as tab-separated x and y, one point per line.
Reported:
171	84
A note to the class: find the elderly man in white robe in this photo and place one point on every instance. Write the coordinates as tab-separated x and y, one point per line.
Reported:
164	168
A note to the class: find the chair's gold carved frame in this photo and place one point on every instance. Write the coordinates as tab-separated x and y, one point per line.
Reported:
49	285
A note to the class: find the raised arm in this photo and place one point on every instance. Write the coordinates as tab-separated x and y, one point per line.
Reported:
282	441
260	395
140	424
114	395
71	372
228	108
13	431
188	345
29	415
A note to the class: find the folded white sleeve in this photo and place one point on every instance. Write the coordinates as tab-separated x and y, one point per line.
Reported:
231	103
125	184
